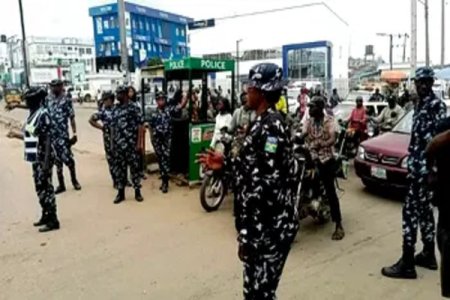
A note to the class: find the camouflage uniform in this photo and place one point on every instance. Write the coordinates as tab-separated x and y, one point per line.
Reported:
267	214
61	111
43	163
105	116
126	121
161	129
417	209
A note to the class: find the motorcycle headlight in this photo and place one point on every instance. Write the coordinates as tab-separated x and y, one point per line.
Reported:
405	163
361	152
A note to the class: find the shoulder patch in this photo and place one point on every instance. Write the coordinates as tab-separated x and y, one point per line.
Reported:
271	145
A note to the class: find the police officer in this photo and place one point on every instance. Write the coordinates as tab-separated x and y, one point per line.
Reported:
417	208
39	152
161	131
61	111
265	186
102	120
127	121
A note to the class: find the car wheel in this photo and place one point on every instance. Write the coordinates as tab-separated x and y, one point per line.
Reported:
368	184
87	98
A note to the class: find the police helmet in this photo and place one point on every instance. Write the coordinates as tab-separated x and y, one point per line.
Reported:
160	95
266	77
424	73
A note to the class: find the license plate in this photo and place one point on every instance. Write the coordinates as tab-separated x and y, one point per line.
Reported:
379	173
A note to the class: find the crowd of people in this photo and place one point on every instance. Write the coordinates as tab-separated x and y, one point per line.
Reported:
265	170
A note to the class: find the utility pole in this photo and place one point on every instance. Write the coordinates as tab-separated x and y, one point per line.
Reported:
406	36
238	81
24	47
443	35
427	35
391	47
123	41
413	36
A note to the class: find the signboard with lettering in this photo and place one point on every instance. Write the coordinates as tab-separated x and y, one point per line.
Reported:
199	64
202	24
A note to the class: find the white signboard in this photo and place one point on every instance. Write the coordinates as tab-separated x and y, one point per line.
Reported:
77	72
43	75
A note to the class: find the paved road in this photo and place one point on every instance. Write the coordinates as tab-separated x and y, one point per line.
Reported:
168	248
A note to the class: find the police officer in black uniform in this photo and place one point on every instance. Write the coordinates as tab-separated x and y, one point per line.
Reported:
266	187
40	153
126	123
161	132
102	120
61	111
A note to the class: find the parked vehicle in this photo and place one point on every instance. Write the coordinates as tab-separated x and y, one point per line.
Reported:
216	184
351	97
382	161
12	95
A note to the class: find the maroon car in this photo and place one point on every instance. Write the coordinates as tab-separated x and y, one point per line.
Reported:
382	161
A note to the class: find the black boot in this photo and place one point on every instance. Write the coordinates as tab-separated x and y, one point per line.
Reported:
62	186
427	258
42	221
138	195
52	223
165	186
120	196
404	268
75	183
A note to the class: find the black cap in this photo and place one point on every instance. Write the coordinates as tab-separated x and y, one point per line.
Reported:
56	82
424	73
267	77
121	89
35	93
160	95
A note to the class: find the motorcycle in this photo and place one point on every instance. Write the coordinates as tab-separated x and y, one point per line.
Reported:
216	183
311	195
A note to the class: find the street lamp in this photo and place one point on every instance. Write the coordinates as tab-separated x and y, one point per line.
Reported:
24	46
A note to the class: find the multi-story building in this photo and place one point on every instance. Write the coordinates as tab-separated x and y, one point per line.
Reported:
150	33
49	55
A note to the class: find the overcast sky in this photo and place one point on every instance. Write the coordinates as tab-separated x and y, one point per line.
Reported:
366	18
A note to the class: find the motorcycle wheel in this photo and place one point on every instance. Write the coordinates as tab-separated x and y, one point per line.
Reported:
212	193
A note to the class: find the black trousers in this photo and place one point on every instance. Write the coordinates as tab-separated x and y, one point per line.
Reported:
443	237
327	171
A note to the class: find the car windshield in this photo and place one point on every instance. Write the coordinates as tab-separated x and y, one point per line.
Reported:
404	126
343	111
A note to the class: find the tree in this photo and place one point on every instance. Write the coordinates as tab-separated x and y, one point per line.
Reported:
155	61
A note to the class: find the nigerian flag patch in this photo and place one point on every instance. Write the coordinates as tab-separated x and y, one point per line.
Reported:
271	145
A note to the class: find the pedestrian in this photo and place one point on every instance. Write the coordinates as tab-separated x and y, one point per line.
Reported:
223	120
61	112
127	122
161	131
282	105
40	153
376	97
265	186
320	136
417	208
437	155
102	120
335	99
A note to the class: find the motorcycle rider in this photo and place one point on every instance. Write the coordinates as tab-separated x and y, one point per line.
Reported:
242	116
376	97
390	115
320	137
358	120
334	99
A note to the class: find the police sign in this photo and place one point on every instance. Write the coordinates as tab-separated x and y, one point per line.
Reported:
209	64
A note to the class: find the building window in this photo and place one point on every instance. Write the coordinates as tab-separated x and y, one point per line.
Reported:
141	25
69	48
88	51
153	27
82	51
149	47
147	26
113	46
106	24
159	31
136	45
133	24
154	48
182	32
113	21
98	22
177	32
160	48
102	47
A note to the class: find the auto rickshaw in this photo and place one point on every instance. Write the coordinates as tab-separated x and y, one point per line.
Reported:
13	96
